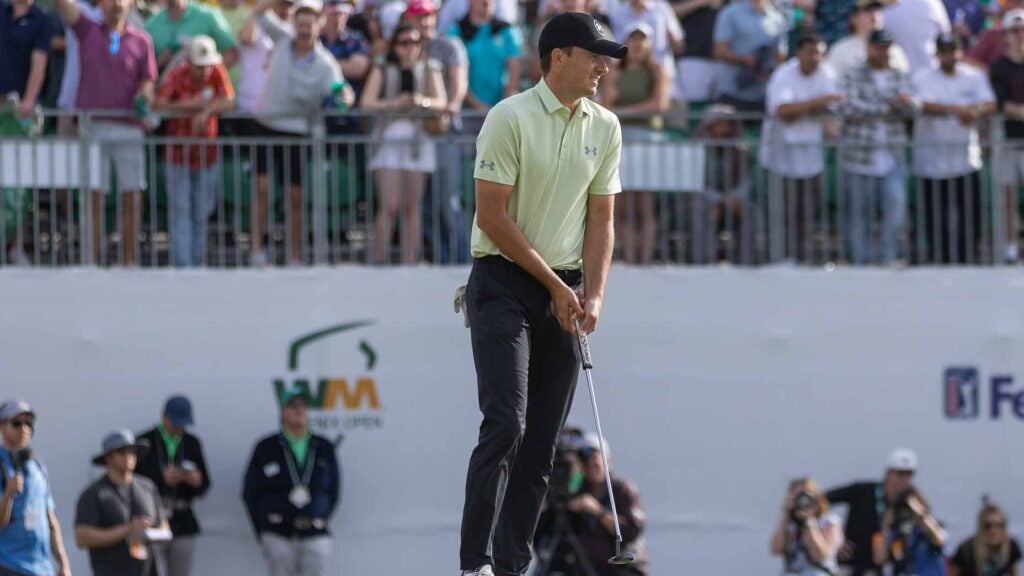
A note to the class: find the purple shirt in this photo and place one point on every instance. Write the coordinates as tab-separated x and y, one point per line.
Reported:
109	80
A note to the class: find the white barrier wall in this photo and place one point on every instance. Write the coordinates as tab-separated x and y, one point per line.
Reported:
716	387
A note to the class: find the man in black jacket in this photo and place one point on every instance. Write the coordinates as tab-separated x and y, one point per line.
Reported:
175	463
292	487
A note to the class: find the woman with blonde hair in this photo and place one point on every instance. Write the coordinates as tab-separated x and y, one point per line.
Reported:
809	534
990	551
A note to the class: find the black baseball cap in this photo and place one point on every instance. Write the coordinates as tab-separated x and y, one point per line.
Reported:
867	5
946	42
880	37
579	30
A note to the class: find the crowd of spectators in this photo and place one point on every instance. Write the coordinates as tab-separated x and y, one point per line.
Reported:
426	70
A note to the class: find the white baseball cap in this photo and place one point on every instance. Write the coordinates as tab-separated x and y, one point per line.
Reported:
641	27
902	460
314	5
202	51
1013	18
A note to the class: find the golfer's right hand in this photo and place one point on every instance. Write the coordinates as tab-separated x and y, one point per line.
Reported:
567	307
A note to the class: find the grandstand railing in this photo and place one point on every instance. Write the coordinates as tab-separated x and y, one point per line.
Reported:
708	202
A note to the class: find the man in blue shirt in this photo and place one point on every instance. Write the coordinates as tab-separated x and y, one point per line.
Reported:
489	41
25	32
30	537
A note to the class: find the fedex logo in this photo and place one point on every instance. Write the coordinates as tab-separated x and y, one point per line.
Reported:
962	395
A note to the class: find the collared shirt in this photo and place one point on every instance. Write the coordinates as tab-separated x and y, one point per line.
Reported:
874	136
943	146
19	38
170	441
794	149
197	19
179	85
105	504
112	71
748	32
25	540
553	161
298	446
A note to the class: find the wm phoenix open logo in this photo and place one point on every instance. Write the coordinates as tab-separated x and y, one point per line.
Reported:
337	404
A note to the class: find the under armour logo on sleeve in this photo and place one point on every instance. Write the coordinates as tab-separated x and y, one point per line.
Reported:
590	150
488	165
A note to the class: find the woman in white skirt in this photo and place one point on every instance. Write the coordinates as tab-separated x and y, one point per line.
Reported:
404	87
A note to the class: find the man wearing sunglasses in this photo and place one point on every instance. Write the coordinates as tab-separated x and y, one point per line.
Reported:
116	514
30	537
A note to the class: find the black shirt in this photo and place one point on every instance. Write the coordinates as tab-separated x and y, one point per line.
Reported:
866	501
1007	79
699	28
964	559
106	505
178	500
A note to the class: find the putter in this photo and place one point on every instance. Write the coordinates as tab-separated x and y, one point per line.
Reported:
620	558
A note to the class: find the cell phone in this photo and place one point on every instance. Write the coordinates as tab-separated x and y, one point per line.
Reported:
188	465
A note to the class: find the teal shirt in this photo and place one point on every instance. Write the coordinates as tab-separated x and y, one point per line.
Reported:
197	19
485	50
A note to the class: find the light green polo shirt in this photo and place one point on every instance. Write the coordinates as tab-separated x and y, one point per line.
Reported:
197	19
552	161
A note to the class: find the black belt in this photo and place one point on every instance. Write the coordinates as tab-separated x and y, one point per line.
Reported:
570	277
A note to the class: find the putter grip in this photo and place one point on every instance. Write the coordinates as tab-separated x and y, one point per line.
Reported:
584	347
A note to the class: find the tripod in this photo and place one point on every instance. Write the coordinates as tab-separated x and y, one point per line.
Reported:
560	532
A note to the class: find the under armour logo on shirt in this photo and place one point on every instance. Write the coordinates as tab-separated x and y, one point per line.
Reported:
488	165
590	150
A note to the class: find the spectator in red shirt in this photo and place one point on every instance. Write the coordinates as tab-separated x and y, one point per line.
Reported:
118	69
202	89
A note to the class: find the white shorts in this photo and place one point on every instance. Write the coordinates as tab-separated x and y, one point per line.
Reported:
1011	170
398	149
121	145
695	80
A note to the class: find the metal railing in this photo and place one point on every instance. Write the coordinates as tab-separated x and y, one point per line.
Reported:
691	198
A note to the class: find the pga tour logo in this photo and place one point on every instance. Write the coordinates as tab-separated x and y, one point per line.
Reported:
962	397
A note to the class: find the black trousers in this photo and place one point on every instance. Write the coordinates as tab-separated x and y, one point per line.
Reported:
527	368
953	212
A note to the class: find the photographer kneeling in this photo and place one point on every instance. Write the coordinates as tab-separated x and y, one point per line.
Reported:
911	539
578	505
808	535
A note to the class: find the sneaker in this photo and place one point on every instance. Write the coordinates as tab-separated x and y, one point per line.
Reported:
1011	254
259	259
484	570
17	257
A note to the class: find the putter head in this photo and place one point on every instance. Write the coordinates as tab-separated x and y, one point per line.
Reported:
622	559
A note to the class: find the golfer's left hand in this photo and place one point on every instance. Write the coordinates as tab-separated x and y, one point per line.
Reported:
591	310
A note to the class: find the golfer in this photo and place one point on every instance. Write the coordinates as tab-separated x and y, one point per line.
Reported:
547	169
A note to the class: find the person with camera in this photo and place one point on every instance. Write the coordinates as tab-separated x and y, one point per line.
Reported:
595	527
30	536
867	503
808	535
911	539
175	463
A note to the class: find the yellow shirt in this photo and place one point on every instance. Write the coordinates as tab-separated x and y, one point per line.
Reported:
552	161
